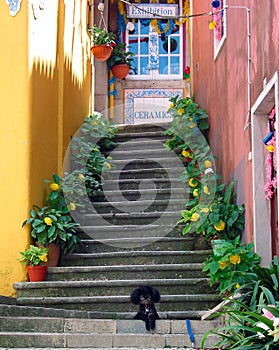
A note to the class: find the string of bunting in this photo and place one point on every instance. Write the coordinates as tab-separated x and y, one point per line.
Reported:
157	24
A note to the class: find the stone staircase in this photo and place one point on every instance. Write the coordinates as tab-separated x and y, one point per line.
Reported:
129	238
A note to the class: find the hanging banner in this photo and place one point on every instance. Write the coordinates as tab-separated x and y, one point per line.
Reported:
163	11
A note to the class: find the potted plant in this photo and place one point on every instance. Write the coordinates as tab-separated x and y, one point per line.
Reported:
102	43
52	225
35	258
120	61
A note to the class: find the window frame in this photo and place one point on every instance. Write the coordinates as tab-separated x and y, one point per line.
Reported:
154	74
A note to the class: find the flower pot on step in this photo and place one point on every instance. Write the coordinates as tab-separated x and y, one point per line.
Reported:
101	52
36	273
120	71
53	256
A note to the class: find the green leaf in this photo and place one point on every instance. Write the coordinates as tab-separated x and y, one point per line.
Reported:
53	195
41	228
56	179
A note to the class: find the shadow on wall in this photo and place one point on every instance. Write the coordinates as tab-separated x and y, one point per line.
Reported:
60	80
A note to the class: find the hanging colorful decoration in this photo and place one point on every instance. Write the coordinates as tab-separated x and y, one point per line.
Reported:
157	23
186	73
216	22
271	157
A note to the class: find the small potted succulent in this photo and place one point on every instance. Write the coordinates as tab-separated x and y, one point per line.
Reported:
35	258
102	43
120	61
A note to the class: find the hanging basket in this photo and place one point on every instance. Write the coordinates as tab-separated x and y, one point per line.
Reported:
120	71
101	52
36	273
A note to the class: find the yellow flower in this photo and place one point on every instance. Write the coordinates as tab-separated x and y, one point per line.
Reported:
195	217
180	111
212	25
270	148
94	123
54	186
196	192
43	257
237	285
191	119
185	153
171	105
223	264
207	164
107	165
81	176
193	182
72	206
204	210
235	259
205	190
48	221
220	226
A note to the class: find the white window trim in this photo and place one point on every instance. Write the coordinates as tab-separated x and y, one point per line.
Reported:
261	206
154	75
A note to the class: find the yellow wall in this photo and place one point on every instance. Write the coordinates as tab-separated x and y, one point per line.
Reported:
44	96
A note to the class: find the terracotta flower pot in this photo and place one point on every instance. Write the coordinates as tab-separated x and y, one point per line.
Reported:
120	71
53	255
36	273
101	52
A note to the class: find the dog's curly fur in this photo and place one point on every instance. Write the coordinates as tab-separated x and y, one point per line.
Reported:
145	296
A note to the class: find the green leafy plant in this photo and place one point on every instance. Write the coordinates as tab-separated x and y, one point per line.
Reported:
221	218
101	36
120	55
34	256
230	263
245	329
52	226
261	286
89	160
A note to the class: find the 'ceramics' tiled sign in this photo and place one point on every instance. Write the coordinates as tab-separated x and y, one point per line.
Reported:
144	106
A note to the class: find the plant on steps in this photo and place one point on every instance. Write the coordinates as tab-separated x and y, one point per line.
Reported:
88	160
53	223
230	263
35	258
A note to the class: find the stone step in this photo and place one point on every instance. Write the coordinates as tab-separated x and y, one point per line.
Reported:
142	243
111	334
141	128
130	231
137	184
140	206
144	218
135	257
140	193
114	303
149	173
110	287
139	143
157	150
152	162
121	272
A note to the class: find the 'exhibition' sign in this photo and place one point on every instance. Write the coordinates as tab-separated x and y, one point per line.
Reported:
153	10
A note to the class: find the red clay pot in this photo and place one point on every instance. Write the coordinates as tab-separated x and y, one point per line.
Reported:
120	71
101	52
36	273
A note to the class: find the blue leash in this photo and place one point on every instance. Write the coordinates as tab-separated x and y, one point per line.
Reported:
190	332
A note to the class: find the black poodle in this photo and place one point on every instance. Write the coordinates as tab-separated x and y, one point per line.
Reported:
145	297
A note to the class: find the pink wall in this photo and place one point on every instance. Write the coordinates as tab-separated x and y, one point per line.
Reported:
220	85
